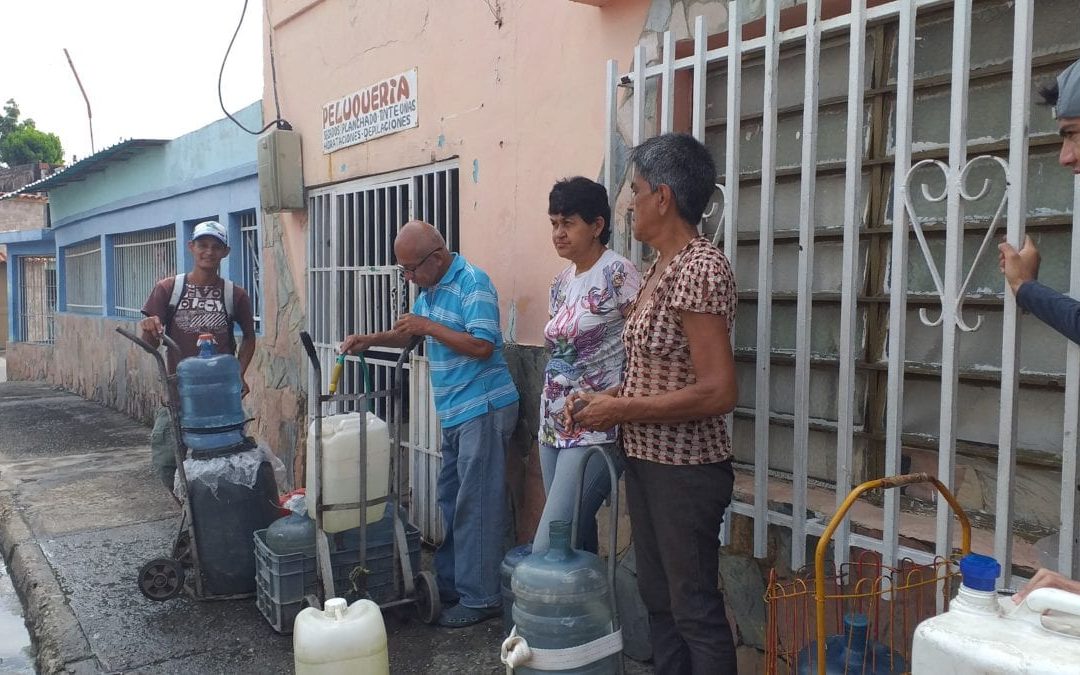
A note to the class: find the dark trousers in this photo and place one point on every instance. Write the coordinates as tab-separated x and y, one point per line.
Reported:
675	513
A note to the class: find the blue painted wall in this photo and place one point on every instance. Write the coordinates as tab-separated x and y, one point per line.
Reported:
210	173
187	160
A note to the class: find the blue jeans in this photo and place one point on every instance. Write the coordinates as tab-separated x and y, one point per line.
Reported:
472	498
562	471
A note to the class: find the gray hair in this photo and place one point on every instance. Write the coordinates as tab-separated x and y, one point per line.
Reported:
681	162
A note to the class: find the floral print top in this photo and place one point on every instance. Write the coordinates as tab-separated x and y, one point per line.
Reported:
584	340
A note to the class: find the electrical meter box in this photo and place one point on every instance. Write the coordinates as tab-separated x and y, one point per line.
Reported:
281	174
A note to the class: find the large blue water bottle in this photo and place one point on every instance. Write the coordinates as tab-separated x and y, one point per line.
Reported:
562	599
510	562
210	387
852	653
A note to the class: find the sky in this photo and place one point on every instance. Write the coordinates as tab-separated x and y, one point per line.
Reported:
149	67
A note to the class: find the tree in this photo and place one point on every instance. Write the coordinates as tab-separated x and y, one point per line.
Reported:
22	143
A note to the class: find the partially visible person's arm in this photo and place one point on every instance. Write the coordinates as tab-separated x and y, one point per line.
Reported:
461	342
152	327
245	316
244	354
1055	309
1021	270
1045	578
480	314
353	344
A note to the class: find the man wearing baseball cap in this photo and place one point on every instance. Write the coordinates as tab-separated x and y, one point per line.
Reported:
187	305
1021	268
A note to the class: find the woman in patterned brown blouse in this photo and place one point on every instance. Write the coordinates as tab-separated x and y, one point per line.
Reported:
678	384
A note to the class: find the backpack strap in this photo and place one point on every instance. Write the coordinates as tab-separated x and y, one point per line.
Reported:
174	300
228	293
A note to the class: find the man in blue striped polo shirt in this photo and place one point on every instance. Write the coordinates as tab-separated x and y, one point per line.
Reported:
458	314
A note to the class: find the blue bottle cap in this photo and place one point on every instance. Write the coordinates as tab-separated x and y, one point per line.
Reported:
855	628
979	572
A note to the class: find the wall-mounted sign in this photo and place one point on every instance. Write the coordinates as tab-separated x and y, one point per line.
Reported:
386	107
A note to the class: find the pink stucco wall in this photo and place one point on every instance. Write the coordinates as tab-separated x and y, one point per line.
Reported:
520	104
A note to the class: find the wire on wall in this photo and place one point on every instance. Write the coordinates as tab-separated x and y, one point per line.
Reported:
277	121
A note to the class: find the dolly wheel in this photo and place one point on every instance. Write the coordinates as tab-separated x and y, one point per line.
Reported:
428	605
161	579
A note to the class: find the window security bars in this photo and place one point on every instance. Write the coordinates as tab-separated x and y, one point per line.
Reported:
354	287
822	134
82	277
37	299
250	266
140	260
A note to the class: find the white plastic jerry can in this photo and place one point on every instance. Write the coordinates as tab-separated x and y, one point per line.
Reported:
341	638
342	471
986	633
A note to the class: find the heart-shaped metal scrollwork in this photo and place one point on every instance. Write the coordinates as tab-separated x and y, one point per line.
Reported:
960	179
723	214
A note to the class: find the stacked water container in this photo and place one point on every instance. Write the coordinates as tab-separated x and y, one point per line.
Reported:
231	487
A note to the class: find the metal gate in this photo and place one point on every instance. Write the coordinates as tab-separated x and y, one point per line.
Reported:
851	138
355	287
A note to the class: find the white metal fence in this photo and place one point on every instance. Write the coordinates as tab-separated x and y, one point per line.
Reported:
840	142
250	262
354	287
140	259
82	277
36	298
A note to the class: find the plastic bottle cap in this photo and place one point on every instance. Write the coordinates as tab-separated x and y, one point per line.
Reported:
856	620
979	572
335	606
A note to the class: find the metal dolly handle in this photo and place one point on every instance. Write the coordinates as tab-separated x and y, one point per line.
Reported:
181	450
400	543
613	526
888	482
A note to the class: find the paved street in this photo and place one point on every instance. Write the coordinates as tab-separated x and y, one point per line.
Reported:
80	511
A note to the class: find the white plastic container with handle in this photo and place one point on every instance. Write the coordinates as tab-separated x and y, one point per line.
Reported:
340	639
342	470
986	633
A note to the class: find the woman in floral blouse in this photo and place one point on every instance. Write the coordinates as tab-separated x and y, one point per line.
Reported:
679	384
588	305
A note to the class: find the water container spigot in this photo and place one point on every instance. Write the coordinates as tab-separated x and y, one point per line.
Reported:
339	365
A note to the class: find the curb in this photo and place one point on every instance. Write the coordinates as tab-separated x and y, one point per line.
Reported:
54	629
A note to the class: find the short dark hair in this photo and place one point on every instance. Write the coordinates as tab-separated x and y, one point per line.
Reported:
684	164
579	196
1049	93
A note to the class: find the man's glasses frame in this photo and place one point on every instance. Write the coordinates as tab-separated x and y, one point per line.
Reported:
411	269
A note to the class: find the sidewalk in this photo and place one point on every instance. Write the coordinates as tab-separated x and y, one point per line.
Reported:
80	511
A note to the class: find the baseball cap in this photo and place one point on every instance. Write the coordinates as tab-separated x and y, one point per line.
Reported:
211	228
1068	82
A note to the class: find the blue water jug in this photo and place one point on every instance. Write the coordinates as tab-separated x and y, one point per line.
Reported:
562	599
506	573
210	387
852	653
294	533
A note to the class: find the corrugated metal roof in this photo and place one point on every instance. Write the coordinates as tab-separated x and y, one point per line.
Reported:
88	165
